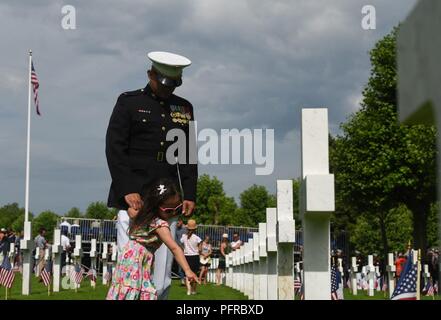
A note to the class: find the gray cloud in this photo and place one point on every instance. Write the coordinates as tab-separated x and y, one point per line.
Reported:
255	64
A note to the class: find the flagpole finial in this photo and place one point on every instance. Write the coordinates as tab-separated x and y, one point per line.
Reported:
30	52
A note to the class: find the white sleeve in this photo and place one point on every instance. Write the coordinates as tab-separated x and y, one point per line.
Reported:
182	238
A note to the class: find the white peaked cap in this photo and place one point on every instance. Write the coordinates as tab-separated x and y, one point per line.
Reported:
168	64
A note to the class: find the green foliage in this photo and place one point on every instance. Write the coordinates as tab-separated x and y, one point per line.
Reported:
254	202
9	214
380	164
432	227
74	213
99	210
366	234
47	220
210	200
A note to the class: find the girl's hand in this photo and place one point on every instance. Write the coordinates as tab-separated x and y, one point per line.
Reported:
191	276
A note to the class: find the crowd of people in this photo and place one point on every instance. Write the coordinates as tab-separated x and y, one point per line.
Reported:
199	253
8	237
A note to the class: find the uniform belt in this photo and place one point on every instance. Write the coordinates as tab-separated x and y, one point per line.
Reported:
158	156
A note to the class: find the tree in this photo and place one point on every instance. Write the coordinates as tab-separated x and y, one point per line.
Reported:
73	213
379	163
209	200
12	216
47	220
253	202
99	210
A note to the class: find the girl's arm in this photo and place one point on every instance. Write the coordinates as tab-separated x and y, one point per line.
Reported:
222	249
166	237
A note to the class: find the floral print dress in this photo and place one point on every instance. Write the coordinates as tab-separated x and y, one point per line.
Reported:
132	277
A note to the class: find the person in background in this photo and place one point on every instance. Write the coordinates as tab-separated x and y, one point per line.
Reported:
11	236
181	229
65	226
225	249
40	242
4	244
191	251
65	243
205	258
236	243
399	265
18	254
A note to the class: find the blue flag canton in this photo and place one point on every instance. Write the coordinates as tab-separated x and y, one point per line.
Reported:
6	264
334	279
406	287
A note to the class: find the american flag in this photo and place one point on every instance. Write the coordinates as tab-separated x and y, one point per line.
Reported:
91	274
35	86
76	275
46	273
108	275
406	287
429	289
384	283
7	275
297	285
334	283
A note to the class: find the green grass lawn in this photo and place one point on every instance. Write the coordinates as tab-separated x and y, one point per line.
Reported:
86	292
363	295
177	292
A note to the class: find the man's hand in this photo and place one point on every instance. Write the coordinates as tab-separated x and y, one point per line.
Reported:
132	212
188	208
134	200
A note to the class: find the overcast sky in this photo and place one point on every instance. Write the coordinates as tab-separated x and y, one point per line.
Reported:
255	65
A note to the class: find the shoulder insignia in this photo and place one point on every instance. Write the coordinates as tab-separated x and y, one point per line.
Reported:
133	93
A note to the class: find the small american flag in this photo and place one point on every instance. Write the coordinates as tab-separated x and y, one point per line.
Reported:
76	274
35	86
91	274
406	287
334	283
384	284
297	284
429	289
7	275
46	273
108	275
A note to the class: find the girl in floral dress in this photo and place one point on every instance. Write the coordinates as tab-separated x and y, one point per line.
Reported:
132	278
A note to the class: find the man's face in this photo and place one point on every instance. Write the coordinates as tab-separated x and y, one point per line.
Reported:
159	89
2	235
235	237
43	233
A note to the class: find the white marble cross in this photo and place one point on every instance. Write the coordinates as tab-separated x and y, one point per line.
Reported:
271	245
316	203
263	263
286	234
256	269
390	268
26	247
353	272
57	250
371	274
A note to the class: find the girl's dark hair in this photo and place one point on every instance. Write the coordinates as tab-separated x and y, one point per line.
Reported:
153	198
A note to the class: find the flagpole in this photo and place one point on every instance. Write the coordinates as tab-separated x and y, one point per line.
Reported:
6	295
28	141
418	275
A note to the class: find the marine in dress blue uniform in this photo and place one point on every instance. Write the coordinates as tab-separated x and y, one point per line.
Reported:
136	149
